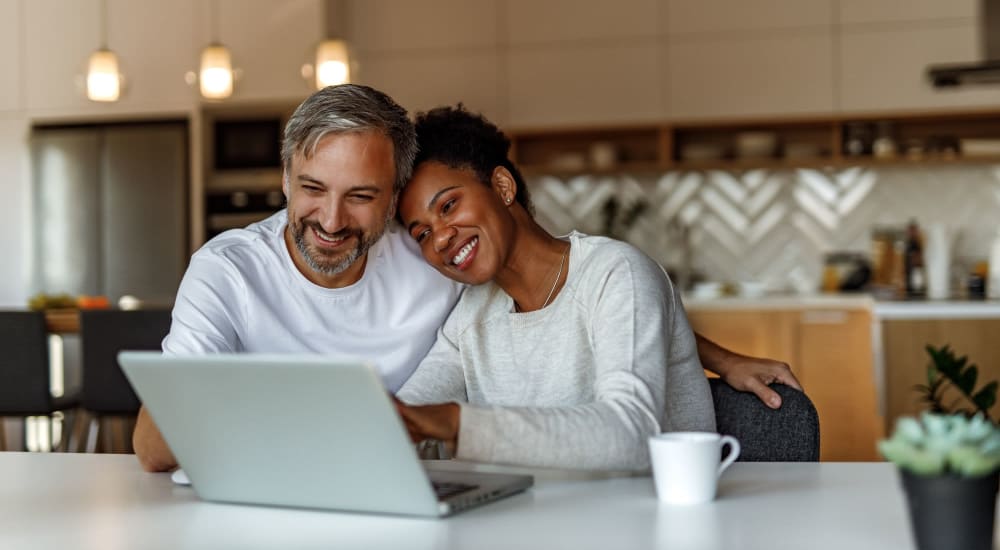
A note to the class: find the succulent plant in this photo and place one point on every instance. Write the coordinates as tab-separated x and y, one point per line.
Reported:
939	444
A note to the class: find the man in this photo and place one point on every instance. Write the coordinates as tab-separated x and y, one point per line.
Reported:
330	273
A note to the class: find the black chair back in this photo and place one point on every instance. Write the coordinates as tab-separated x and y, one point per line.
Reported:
787	434
24	364
103	333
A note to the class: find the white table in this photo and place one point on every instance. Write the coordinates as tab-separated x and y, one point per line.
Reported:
107	502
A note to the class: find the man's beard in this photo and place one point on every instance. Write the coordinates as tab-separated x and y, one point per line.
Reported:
329	264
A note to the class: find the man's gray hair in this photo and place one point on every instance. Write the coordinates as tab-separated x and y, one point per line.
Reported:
350	108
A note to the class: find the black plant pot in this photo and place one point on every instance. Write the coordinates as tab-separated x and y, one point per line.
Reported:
949	512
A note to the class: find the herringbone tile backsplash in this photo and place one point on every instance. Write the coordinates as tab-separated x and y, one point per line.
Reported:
773	226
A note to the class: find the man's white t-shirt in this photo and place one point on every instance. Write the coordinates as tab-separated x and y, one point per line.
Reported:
243	293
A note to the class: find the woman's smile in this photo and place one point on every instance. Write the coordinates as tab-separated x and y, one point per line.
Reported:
465	254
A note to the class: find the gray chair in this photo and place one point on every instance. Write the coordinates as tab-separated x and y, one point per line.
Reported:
788	434
106	394
25	389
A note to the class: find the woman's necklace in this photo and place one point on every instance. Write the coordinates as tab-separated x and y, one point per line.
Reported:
555	283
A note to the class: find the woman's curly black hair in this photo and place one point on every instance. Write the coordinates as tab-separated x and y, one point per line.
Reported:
462	140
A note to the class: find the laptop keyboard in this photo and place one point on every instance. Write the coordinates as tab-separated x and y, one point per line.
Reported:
445	489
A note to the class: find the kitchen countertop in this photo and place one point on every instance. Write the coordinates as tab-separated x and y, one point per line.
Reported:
881	309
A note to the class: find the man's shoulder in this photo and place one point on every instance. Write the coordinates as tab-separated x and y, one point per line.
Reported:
251	243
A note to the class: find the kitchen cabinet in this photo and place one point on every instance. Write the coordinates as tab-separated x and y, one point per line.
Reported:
716	16
896	11
604	83
471	76
920	138
110	210
783	73
884	68
829	351
533	22
906	359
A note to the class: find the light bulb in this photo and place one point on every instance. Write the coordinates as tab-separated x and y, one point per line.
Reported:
216	80
103	80
332	65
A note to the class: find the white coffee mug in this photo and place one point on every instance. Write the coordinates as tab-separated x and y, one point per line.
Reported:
687	465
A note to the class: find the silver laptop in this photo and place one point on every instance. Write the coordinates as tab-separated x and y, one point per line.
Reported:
303	431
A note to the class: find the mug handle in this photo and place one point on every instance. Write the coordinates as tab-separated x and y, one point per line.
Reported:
734	452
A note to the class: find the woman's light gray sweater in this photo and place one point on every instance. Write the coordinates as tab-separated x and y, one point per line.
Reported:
581	383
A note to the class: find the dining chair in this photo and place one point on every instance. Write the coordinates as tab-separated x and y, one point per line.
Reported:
787	434
107	397
25	376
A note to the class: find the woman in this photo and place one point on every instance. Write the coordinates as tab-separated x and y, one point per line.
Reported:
563	352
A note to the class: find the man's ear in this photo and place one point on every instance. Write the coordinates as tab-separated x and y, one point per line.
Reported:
284	183
392	206
503	185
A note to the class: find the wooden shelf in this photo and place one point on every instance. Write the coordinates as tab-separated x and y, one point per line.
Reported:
920	138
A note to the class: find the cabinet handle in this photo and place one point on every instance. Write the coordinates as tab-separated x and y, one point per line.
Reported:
826	317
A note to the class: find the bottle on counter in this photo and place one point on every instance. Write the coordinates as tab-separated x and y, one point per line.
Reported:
993	270
913	261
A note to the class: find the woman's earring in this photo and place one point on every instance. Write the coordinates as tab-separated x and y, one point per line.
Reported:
508	200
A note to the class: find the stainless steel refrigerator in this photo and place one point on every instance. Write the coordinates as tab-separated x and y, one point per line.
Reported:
110	209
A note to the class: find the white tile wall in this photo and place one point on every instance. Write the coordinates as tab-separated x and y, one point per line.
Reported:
775	226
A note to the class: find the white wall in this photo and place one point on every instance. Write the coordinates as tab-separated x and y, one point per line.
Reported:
44	46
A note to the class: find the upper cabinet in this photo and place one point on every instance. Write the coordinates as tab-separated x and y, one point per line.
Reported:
715	16
430	53
10	54
895	11
563	21
782	73
730	58
599	84
885	67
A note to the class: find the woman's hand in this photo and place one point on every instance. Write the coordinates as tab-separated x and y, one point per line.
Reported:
753	374
744	373
439	422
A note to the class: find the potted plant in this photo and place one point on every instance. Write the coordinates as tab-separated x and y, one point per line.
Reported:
949	458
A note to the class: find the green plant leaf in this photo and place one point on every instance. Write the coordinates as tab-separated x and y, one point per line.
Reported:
946	369
967	379
986	397
968	461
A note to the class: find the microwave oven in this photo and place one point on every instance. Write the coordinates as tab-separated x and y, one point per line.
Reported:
247	143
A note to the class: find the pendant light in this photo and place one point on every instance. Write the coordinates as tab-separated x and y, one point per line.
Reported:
216	75
332	63
103	78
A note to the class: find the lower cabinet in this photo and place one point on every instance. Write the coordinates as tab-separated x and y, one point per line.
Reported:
830	352
906	360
